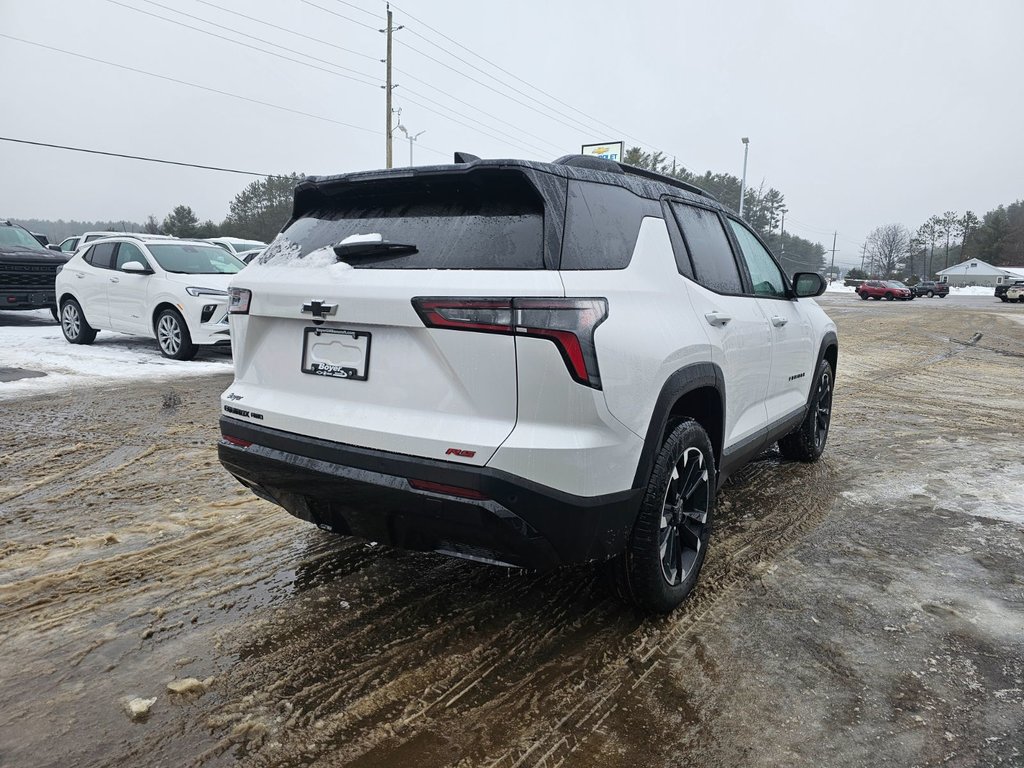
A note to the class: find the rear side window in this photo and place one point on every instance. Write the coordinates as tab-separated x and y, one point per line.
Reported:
473	221
713	264
101	255
602	224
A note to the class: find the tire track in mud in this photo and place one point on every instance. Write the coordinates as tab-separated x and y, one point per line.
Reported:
739	558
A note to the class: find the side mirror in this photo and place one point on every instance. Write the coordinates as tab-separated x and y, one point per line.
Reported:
54	247
136	268
808	284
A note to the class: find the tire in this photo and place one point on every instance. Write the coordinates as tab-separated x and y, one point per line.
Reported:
807	441
670	537
864	296
74	325
943	295
889	297
930	294
1003	298
173	337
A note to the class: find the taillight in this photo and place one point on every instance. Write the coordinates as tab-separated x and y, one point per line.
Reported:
569	323
238	301
236	441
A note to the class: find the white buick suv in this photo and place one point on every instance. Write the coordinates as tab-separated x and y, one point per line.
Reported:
170	289
521	363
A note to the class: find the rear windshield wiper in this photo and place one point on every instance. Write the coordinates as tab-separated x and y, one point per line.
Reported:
383	248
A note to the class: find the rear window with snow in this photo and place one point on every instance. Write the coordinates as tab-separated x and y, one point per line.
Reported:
452	222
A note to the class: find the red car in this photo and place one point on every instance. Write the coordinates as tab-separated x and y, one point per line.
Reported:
884	289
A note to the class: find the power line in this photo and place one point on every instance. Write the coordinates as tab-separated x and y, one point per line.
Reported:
289	31
340	15
575	127
141	157
521	80
252	47
324	61
190	85
356	7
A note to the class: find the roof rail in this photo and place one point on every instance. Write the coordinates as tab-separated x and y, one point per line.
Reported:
665	179
610	166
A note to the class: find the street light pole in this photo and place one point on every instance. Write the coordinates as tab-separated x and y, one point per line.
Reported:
411	139
743	183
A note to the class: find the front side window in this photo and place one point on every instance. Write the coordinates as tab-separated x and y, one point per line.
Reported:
194	259
101	255
713	263
129	252
764	272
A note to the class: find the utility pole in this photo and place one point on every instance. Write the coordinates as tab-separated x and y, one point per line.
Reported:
743	183
388	87
863	254
782	233
832	269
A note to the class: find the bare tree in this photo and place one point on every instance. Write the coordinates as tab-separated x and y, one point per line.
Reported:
888	247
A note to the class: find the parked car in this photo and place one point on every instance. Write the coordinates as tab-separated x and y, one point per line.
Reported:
902	286
170	289
69	244
1002	290
883	289
27	270
931	289
1015	293
237	246
521	363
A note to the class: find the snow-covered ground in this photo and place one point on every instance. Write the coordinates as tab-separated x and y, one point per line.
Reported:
33	341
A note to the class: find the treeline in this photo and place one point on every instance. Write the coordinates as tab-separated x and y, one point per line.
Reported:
764	209
256	213
60	229
945	239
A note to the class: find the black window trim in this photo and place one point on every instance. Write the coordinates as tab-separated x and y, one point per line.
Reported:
92	247
741	268
748	282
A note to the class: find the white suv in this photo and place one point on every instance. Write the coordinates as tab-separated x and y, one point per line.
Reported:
174	290
521	363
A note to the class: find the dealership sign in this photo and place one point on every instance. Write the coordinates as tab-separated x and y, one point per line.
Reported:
609	150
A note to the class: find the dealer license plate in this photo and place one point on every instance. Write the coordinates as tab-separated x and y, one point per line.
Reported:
336	352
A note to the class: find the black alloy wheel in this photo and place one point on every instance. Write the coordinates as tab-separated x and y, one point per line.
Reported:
670	538
807	442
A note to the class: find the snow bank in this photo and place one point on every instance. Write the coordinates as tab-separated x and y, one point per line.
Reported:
838	287
33	341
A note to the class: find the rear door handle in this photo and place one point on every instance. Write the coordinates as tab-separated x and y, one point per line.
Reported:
778	322
79	275
114	280
717	318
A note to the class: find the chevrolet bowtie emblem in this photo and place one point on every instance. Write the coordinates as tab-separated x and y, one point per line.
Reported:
320	310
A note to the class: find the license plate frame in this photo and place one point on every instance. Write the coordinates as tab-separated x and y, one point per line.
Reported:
332	370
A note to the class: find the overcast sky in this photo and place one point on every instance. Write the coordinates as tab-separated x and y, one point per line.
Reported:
861	113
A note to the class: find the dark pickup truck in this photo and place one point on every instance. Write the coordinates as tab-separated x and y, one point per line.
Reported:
27	270
1002	289
931	289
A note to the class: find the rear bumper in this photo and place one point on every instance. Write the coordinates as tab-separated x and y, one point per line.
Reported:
367	493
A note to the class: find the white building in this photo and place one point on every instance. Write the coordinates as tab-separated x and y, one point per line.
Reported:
978	272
